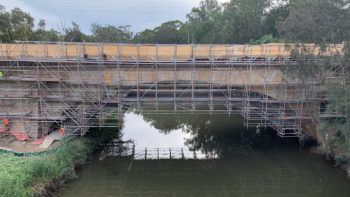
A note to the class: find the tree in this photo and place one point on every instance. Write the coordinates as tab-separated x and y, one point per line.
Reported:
73	34
53	35
171	32
39	34
274	16
5	25
16	25
203	20
22	24
168	33
146	36
110	33
243	20
315	21
19	25
335	132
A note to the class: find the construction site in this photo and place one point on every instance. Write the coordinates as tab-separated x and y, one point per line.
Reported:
68	88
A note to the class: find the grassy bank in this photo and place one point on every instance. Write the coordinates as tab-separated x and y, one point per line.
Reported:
36	175
40	175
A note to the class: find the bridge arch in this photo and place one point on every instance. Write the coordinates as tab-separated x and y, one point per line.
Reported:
184	96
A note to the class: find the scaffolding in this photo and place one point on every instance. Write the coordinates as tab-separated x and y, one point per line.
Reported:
77	86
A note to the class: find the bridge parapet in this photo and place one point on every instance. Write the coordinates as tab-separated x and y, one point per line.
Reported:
48	51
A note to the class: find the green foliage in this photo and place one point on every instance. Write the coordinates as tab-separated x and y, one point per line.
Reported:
234	22
273	17
5	26
16	25
316	21
203	20
52	35
336	131
267	39
146	36
333	71
168	33
24	176
21	23
243	20
73	34
28	176
111	131
111	34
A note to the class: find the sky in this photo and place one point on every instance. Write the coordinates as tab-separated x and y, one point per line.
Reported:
140	14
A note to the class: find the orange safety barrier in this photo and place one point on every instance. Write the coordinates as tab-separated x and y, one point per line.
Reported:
39	141
20	136
61	131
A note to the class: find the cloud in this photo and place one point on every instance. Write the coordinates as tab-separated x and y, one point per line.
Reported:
50	19
140	14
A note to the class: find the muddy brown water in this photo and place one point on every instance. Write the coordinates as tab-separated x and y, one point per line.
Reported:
248	163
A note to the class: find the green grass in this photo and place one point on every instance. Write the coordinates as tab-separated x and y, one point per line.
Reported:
31	176
21	176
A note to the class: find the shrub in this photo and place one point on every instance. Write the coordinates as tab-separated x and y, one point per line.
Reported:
22	176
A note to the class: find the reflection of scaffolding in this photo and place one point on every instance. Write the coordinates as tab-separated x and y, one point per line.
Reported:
46	86
127	149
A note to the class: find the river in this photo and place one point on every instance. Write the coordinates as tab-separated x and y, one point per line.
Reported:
229	161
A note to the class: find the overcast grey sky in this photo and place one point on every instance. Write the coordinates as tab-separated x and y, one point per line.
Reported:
140	14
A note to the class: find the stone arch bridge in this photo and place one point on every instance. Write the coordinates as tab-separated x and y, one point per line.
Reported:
76	86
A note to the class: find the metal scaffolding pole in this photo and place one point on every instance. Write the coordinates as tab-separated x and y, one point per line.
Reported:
73	84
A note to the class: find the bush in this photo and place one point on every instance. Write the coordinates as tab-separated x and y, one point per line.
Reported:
25	176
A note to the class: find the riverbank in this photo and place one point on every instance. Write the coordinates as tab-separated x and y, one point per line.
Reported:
42	175
39	176
340	164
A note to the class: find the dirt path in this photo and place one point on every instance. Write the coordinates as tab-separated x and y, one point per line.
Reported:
10	142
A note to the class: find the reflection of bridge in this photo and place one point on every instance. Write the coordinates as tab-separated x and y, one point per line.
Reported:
45	86
127	149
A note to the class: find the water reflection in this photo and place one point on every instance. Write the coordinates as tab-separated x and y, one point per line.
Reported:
250	164
146	134
218	134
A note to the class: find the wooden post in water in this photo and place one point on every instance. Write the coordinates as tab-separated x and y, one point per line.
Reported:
169	153
145	153
132	157
158	153
182	153
133	151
